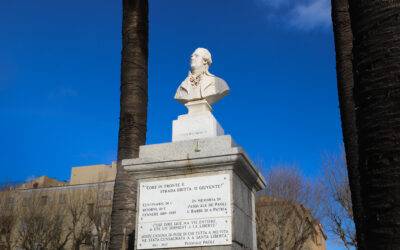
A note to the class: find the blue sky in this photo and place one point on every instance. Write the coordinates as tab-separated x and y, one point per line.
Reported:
59	79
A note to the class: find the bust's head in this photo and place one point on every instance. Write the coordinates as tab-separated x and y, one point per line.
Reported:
200	60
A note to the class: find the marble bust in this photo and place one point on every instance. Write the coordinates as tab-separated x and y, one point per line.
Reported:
200	84
198	92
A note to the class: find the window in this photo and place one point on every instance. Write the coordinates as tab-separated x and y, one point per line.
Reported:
11	201
25	201
43	200
107	195
88	239
62	199
90	207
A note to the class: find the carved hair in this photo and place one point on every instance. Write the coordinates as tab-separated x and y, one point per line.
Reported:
205	54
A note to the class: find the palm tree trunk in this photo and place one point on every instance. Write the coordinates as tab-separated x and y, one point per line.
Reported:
133	118
344	71
376	51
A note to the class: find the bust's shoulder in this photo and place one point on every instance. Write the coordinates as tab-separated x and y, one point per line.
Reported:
184	83
221	83
218	79
214	79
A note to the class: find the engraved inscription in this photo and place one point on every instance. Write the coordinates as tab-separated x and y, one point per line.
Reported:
184	212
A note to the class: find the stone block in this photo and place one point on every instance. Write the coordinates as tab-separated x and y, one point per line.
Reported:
195	126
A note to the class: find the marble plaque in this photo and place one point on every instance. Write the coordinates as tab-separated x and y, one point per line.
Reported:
184	212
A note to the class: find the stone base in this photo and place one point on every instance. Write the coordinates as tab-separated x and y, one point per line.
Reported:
198	123
191	159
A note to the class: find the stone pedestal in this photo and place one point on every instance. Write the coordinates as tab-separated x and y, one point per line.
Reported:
198	123
195	194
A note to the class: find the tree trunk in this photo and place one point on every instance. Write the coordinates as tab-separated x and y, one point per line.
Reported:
344	71
376	51
133	118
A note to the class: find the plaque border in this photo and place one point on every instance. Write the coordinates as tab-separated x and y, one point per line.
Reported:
180	176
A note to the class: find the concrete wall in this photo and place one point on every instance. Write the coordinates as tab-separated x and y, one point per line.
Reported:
93	174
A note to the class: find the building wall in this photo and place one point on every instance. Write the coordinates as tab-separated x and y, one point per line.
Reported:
43	181
93	174
317	241
90	191
280	222
44	203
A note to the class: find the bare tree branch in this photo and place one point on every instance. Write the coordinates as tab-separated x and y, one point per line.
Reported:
283	220
338	207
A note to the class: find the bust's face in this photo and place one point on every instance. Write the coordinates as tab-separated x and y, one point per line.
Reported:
196	60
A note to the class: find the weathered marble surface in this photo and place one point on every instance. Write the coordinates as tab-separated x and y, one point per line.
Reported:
201	124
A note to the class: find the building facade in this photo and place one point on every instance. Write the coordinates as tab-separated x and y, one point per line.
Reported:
45	213
285	225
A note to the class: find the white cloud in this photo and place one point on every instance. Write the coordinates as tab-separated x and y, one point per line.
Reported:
301	14
312	15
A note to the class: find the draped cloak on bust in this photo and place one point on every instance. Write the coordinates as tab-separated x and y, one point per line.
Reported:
209	87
